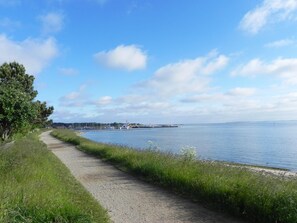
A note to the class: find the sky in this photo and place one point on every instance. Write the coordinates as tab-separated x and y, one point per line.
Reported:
151	61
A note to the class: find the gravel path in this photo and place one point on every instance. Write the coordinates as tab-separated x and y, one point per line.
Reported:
128	199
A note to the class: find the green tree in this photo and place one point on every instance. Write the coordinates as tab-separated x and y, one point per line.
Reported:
43	112
14	75
19	113
16	111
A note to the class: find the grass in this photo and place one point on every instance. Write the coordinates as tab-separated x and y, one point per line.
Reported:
36	187
252	196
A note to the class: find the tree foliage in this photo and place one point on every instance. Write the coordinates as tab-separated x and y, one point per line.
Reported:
19	112
43	112
14	75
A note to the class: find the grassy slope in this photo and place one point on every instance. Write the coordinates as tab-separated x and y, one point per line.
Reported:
257	197
36	187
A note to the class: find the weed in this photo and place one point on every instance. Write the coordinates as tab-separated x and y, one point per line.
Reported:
188	153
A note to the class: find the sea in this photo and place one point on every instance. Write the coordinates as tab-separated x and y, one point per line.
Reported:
271	144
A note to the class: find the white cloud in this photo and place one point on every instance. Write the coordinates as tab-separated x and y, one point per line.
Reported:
141	103
169	94
239	91
205	97
68	71
270	11
72	95
225	107
76	98
186	76
252	68
218	63
105	100
237	104
52	22
280	43
75	94
127	108
159	95
34	54
288	98
234	94
62	115
129	57
283	67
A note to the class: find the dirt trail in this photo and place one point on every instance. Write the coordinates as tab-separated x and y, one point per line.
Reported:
128	199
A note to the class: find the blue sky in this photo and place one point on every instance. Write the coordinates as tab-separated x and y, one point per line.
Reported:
152	61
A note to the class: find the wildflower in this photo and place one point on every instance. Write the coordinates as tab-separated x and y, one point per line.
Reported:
188	153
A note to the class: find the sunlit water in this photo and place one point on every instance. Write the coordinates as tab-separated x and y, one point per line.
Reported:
268	144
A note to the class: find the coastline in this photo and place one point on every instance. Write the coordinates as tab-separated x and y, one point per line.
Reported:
281	173
253	195
251	145
265	170
79	133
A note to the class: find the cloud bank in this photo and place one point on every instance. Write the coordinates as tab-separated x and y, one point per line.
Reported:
186	76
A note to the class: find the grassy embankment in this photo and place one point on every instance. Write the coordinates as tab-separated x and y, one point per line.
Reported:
36	187
253	196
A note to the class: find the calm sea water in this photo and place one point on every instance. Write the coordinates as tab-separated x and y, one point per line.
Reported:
268	144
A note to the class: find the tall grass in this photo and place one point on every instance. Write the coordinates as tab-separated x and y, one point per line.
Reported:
253	196
36	187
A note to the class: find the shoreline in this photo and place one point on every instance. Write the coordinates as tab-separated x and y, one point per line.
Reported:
252	193
252	167
277	171
79	133
266	170
255	167
226	144
284	173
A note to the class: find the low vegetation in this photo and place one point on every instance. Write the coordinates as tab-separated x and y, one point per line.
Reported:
36	187
253	196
